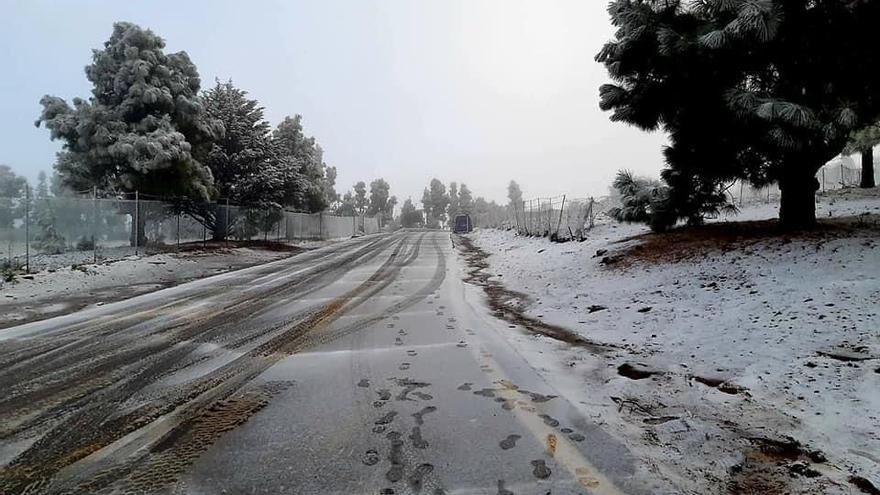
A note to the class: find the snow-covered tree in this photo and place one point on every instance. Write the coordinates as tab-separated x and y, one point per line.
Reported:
641	200
439	202
330	194
301	159
514	194
380	192
452	208
46	238
766	91
12	191
465	199
242	162
346	205
389	207
863	143
427	209
245	150
360	197
144	126
410	216
488	213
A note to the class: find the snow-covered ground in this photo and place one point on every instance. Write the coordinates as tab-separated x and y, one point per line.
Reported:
724	355
67	288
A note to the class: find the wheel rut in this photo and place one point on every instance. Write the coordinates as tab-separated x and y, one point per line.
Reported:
102	410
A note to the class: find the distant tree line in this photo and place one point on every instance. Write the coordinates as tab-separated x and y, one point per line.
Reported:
440	205
379	203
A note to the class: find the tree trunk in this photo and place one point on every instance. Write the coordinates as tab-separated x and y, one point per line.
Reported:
797	209
220	230
867	168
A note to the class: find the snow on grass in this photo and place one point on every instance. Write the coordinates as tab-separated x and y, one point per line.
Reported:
68	288
738	342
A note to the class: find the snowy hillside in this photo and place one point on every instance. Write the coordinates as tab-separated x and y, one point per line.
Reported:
742	359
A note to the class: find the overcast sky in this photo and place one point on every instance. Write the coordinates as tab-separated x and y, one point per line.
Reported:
475	91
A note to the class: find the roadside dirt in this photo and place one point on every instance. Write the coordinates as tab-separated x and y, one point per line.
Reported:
687	243
510	305
692	424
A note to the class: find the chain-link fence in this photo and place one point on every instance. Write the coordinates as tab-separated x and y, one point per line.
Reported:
564	218
49	232
833	176
558	217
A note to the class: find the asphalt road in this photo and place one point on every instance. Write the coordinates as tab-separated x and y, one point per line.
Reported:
364	367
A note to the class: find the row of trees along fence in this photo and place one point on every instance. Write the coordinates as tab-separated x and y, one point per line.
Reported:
559	217
53	231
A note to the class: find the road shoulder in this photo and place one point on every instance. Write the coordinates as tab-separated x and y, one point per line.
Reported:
724	368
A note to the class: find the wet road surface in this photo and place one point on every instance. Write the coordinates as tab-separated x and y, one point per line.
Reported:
365	367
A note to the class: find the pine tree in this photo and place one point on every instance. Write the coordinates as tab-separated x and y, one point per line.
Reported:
360	197
764	91
410	217
143	129
12	192
465	199
427	207
514	194
452	208
439	201
301	166
380	192
346	206
863	143
239	161
46	239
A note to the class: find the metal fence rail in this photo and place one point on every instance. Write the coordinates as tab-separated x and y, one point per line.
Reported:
49	231
563	218
558	217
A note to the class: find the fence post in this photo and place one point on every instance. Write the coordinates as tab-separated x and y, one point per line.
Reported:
530	217
515	215
136	219
27	228
823	179
590	211
561	208
94	224
178	231
226	227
